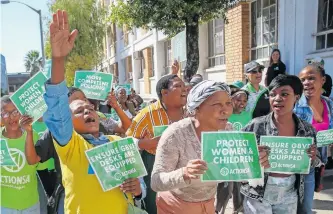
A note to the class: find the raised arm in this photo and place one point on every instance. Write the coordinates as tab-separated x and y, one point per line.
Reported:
125	121
58	115
30	152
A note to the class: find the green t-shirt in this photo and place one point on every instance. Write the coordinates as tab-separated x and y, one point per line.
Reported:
239	121
40	128
18	183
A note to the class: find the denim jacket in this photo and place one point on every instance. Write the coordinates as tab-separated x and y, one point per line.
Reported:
58	119
303	111
262	126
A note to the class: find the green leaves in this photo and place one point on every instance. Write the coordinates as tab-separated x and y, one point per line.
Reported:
88	17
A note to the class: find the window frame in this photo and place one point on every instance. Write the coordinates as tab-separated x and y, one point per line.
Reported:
213	56
326	32
269	46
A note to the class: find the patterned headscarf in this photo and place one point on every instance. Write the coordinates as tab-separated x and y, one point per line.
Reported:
118	89
200	92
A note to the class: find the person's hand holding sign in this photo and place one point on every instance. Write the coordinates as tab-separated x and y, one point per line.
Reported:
194	169
62	42
263	156
112	100
131	185
312	152
25	123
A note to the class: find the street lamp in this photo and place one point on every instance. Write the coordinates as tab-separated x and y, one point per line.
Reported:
40	24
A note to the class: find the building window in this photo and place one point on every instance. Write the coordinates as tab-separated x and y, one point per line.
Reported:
324	37
12	88
152	63
142	64
216	42
263	28
168	57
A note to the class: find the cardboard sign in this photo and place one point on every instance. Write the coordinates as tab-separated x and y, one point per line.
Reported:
29	99
324	138
288	154
95	85
158	130
230	156
115	162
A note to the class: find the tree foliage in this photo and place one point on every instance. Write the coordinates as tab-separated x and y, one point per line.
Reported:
88	17
171	17
33	62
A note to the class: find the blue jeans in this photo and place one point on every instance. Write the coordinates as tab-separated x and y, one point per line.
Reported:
61	204
280	197
323	153
32	210
309	186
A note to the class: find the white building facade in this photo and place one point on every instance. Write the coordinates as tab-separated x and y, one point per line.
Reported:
301	29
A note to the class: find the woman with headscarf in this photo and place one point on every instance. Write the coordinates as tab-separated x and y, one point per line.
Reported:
126	105
280	193
171	93
178	164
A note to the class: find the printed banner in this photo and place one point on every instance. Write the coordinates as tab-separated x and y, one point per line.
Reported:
95	85
115	162
127	88
324	138
5	157
288	154
230	156
29	99
158	130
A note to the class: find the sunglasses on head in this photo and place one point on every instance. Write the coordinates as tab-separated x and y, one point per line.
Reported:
256	71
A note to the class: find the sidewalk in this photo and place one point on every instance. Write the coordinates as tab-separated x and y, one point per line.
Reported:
323	201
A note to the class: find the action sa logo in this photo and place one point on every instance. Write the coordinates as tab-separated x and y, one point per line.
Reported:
224	171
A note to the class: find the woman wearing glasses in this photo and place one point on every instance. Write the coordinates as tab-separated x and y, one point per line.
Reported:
258	100
19	192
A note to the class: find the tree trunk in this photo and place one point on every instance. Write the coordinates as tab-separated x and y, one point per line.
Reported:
192	46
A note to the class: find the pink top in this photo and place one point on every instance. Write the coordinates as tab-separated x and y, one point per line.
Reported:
325	124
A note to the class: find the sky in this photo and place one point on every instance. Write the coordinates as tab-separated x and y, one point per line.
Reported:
20	31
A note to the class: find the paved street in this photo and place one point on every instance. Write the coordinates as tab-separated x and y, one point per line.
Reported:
323	201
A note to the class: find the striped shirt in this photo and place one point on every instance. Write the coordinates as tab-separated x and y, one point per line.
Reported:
143	123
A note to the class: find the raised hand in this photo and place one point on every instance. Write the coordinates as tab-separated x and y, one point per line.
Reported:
25	122
175	67
112	100
62	42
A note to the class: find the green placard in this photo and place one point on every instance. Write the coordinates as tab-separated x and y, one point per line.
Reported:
127	87
29	99
158	130
115	162
39	128
230	156
324	138
47	68
5	157
288	154
95	85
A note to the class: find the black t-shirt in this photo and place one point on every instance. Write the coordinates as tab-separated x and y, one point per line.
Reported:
274	70
262	107
45	150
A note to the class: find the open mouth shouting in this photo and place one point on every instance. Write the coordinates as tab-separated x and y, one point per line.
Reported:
90	120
